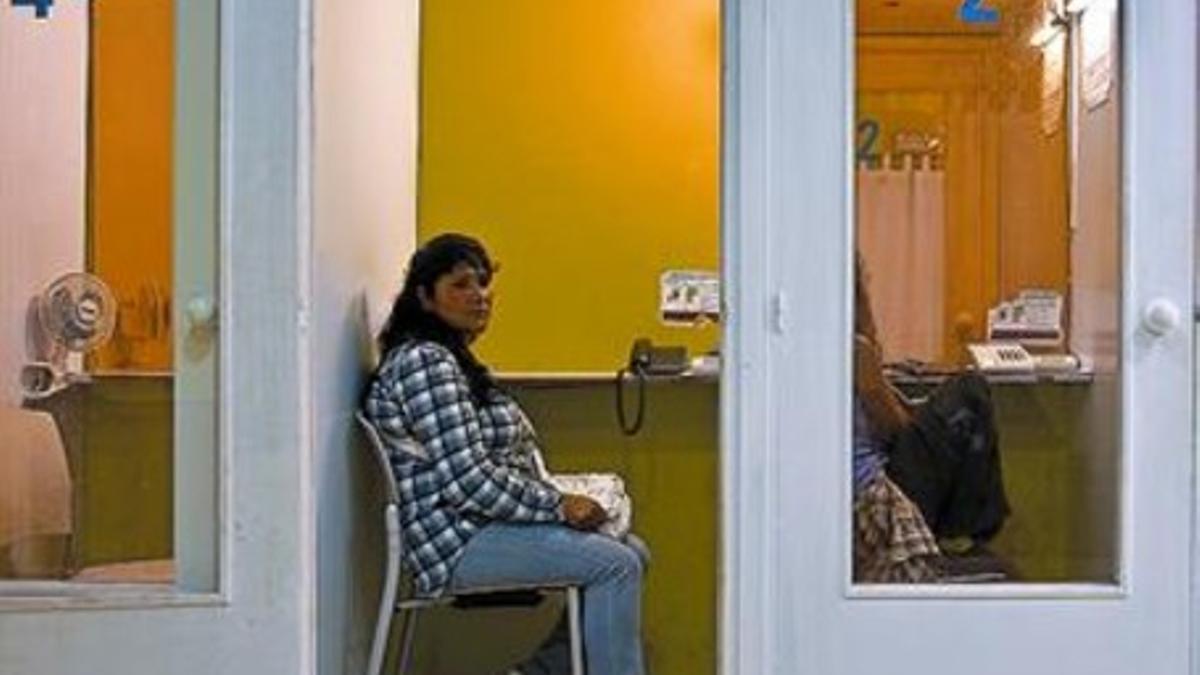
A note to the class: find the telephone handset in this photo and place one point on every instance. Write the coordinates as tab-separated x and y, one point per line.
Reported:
646	359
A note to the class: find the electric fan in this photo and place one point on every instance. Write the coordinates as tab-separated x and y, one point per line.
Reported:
75	314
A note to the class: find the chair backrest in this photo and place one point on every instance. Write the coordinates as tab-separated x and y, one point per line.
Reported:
379	453
394	540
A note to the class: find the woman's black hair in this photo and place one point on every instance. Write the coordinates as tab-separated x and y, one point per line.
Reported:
409	320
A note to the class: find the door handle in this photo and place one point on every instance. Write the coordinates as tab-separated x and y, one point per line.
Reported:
201	312
1160	317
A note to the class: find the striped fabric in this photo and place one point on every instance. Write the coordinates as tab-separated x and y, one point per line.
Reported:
892	543
478	469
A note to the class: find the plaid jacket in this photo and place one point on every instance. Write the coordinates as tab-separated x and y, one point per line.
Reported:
478	469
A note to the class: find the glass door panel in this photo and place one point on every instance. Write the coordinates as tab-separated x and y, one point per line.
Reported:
107	199
988	229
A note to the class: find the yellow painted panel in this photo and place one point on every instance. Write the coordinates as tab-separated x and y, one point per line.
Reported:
129	240
580	141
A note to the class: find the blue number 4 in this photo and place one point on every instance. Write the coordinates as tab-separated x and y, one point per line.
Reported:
41	7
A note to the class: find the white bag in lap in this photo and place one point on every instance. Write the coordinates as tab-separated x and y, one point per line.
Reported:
607	489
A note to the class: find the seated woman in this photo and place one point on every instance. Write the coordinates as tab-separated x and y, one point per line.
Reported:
923	477
892	542
475	514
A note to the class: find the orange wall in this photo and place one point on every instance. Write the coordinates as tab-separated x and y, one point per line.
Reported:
1006	190
130	166
580	141
1034	209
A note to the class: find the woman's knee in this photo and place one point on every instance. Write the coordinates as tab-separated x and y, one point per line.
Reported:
639	547
619	561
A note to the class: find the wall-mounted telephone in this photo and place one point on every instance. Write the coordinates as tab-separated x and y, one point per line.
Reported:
646	359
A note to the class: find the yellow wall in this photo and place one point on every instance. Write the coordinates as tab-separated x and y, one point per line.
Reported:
129	171
579	140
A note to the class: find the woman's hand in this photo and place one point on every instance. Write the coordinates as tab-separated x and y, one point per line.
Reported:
582	512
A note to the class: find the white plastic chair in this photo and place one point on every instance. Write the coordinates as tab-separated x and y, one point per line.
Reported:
391	602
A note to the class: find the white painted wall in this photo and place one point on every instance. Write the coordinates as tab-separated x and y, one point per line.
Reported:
43	87
365	103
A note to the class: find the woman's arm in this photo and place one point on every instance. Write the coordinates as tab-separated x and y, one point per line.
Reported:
431	390
887	413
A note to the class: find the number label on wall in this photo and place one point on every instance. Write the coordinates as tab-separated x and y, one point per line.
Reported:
41	8
868	136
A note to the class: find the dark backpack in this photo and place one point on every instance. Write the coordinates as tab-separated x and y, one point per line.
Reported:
948	461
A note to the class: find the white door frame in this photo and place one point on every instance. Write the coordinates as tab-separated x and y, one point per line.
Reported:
788	94
764	66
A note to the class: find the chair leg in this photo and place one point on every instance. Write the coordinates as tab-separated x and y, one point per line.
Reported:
379	641
574	619
406	642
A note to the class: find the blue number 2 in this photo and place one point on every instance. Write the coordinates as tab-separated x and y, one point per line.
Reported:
41	7
973	11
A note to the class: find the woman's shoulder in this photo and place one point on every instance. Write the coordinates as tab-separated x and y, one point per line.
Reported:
416	354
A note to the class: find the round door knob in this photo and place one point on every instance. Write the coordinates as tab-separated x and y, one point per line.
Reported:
1160	317
201	311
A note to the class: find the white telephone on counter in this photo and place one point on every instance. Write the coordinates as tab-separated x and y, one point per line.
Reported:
1001	357
1011	357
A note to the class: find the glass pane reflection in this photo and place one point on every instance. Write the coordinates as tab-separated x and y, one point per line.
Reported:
86	340
986	407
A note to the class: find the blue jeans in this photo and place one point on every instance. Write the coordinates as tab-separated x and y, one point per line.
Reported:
608	571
